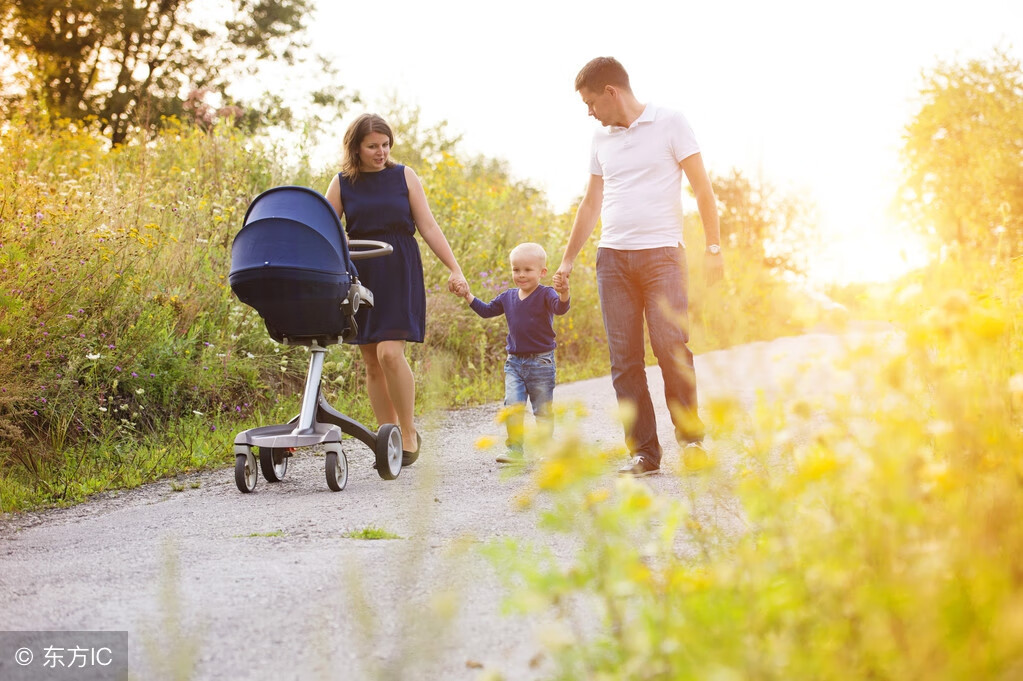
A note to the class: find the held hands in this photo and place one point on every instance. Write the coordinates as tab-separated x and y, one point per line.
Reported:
560	283
458	285
561	277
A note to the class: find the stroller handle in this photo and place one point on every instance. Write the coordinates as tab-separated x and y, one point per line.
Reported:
375	248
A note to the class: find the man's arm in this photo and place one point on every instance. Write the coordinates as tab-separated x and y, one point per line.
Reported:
696	173
585	222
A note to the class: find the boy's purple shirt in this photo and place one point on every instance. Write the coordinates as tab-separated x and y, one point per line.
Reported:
530	321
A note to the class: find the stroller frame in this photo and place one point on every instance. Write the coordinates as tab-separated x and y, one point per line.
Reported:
318	423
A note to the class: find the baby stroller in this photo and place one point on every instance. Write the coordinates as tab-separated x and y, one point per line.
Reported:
291	262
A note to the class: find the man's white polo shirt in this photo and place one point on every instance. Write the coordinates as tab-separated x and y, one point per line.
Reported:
642	179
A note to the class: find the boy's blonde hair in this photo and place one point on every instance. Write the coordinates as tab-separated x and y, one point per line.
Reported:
530	249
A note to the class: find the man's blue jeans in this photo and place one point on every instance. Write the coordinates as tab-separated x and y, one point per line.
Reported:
532	377
650	283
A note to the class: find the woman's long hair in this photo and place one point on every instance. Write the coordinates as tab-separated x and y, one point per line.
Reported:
362	126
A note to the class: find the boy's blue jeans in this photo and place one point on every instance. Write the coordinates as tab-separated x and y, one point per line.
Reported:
529	377
651	284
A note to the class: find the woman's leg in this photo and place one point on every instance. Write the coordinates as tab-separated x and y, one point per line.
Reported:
401	389
376	386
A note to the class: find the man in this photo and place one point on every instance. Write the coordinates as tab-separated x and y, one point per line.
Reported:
636	163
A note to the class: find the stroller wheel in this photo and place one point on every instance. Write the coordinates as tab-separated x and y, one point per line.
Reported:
388	451
245	474
274	462
337	471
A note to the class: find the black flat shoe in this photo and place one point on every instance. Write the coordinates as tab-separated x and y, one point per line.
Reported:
409	458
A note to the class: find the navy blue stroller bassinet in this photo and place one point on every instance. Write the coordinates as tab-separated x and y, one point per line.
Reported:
291	262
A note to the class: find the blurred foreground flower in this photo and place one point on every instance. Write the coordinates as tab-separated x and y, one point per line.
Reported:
1016	391
696	459
486	442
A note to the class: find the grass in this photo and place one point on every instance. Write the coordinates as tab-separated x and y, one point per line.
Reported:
370	533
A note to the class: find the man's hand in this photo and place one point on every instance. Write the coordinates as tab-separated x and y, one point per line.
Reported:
713	268
561	277
561	286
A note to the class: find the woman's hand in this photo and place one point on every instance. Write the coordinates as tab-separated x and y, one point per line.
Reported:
457	284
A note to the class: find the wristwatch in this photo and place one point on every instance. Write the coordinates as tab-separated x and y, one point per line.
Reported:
714	249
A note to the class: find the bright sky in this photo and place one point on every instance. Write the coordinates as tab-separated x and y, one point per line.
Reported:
812	96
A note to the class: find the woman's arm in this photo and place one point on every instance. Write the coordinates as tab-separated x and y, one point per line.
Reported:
432	234
334	199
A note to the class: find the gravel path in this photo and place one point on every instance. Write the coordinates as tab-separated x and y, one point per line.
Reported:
221	585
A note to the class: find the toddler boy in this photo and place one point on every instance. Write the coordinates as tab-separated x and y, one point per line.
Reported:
529	371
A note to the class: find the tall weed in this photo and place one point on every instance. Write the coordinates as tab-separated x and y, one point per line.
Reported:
115	317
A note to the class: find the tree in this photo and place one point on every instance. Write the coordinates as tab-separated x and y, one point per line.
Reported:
779	229
963	154
129	62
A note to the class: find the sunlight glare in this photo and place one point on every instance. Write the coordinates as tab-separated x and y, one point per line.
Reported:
868	254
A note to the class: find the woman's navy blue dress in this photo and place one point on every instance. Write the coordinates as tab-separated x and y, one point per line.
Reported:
376	206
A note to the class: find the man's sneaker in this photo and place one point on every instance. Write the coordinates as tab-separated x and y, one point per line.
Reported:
511	456
639	467
695	457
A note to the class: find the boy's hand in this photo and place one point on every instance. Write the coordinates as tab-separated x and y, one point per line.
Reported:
560	281
468	295
561	285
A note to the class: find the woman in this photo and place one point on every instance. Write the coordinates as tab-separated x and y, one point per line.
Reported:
382	200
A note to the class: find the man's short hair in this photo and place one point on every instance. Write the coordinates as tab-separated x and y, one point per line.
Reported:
601	72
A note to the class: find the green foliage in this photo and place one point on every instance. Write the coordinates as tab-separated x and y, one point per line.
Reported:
115	320
370	533
867	536
126	63
754	303
777	229
962	153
